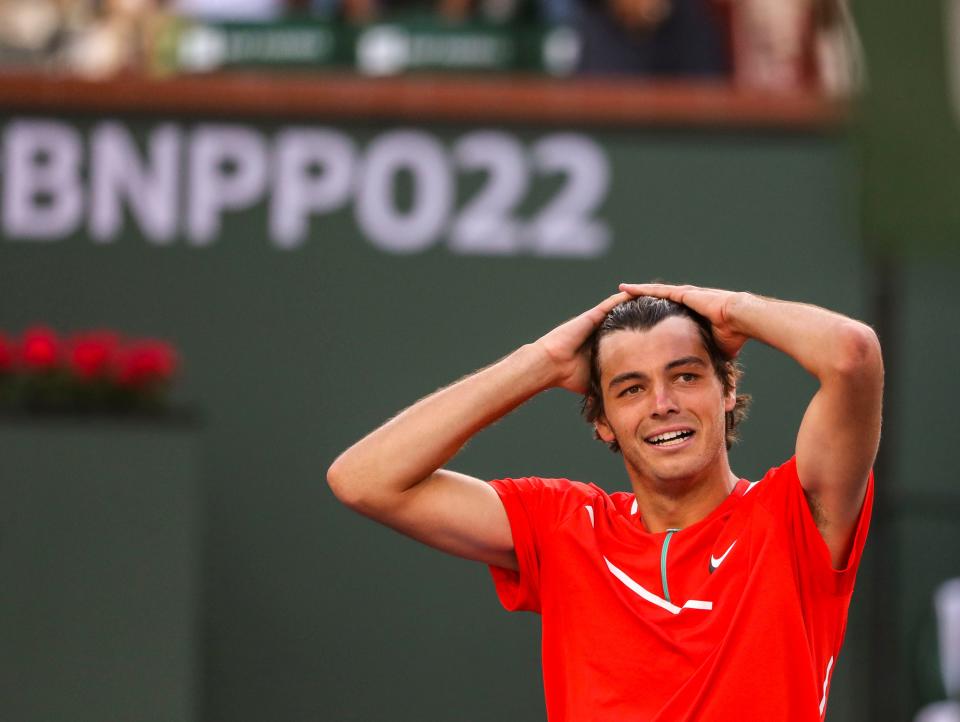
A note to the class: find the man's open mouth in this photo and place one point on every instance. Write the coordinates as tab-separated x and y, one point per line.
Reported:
670	438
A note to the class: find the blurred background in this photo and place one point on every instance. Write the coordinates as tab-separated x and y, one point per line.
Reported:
237	236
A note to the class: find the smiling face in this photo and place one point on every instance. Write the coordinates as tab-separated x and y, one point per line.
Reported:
664	404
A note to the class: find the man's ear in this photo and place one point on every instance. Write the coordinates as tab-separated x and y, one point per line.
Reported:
730	399
603	430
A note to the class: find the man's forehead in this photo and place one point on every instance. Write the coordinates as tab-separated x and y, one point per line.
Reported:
652	348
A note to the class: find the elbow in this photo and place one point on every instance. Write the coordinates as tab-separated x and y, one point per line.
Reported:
857	354
339	481
360	487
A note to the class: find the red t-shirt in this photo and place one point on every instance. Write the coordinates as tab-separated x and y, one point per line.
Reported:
755	617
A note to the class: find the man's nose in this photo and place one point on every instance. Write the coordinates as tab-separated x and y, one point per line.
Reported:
664	401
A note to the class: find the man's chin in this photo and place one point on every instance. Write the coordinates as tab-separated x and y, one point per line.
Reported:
676	472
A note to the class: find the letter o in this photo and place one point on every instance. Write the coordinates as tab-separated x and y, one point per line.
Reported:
386	226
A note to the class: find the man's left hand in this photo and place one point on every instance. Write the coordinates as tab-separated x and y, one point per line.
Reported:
712	303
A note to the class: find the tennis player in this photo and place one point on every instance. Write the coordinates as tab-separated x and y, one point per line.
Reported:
695	595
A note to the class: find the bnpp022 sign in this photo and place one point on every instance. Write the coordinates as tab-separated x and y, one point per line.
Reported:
179	183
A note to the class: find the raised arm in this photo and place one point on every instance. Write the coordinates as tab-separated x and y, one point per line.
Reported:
393	475
838	437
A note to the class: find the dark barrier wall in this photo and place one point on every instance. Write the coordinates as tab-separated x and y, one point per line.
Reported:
318	277
100	558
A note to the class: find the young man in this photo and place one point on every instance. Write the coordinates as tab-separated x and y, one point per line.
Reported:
698	596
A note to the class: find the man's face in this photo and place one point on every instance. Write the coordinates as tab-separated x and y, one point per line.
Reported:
663	402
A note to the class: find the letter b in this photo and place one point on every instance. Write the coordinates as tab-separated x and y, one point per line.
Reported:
42	193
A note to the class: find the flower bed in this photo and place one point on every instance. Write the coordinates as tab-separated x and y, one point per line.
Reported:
92	371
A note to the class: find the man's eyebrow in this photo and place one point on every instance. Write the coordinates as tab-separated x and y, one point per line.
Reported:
637	376
686	361
627	376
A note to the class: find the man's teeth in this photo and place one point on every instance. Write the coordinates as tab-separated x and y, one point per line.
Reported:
670	438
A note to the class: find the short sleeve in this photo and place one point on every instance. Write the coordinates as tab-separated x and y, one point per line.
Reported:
533	507
812	551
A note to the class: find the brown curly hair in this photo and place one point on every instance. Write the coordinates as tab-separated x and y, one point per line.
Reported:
640	314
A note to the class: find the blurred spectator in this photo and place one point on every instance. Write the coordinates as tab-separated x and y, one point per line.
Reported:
118	37
771	40
772	45
30	30
939	712
838	50
450	11
252	10
782	45
651	37
938	664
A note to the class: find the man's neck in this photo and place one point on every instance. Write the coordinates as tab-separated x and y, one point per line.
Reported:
687	502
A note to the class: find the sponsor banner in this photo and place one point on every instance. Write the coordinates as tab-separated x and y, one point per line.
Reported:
377	49
484	192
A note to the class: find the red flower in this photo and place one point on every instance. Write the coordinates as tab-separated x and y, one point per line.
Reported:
93	354
145	362
6	354
41	348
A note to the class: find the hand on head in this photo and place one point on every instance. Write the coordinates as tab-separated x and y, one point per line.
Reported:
565	345
714	304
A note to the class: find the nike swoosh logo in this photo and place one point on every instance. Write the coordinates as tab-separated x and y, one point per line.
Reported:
717	561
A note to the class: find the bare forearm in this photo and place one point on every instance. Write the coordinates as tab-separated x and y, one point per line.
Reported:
421	439
407	450
825	343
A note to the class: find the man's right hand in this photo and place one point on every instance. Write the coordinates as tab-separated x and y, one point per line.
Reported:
566	348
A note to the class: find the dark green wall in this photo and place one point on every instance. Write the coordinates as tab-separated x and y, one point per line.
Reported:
100	556
909	127
312	613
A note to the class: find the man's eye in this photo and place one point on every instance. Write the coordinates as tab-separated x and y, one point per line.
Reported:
688	377
630	390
